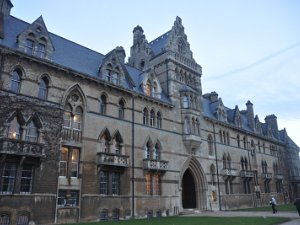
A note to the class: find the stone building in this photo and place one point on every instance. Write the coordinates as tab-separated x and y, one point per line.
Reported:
86	136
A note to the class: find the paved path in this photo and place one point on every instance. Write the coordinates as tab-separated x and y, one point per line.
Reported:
295	219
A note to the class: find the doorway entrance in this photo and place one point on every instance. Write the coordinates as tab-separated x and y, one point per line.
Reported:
188	191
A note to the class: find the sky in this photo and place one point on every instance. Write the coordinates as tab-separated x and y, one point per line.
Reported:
248	49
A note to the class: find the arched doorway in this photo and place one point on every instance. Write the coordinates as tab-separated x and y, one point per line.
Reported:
188	191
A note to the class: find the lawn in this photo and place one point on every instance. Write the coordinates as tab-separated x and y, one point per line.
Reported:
196	221
280	208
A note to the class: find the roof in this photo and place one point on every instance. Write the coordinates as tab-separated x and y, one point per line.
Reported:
71	55
158	45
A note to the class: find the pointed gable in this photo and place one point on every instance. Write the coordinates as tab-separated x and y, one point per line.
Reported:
237	117
35	40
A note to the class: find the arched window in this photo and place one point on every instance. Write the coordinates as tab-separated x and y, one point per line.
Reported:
213	174
22	219
103	105
77	119
246	164
238	141
68	117
104	140
152	118
16	81
224	161
145	116
31	132
156	152
121	109
43	88
14	131
228	161
154	89
186	125
210	144
243	163
29	48
116	147
228	139
193	126
4	219
148	151
221	137
197	127
245	142
148	88
159	120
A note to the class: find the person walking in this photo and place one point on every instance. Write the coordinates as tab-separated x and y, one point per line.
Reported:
297	204
273	203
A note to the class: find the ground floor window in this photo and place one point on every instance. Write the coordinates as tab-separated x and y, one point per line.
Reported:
279	187
109	182
228	187
67	198
104	215
267	186
153	184
23	219
247	186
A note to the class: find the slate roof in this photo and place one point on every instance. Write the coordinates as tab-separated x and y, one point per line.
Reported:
158	45
71	55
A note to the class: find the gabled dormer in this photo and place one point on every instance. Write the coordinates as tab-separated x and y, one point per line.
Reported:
35	40
112	68
220	112
237	117
151	85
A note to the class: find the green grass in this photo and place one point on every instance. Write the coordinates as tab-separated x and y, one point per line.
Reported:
280	208
196	221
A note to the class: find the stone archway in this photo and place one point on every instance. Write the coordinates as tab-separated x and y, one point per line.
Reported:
188	191
193	185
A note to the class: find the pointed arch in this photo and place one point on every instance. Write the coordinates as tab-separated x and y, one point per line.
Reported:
197	172
75	89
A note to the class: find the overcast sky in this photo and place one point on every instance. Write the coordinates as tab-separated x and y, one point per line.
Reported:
248	49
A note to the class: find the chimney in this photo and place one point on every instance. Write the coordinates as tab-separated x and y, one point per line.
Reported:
250	115
6	6
138	34
121	53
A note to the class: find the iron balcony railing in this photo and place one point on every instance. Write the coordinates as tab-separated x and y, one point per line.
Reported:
23	148
267	175
247	173
229	172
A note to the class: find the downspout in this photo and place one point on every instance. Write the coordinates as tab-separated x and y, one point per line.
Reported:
132	158
218	180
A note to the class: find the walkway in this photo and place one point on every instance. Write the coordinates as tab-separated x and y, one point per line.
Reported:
295	219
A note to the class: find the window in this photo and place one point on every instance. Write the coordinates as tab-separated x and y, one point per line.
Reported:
43	86
121	108
69	162
153	184
116	214
67	198
22	219
210	145
148	88
16	81
31	132
8	178
245	142
147	151
104	215
267	186
67	117
228	187
105	143
115	183
213	174
41	50
186	125
116	146
152	118
29	48
103	105
77	119
4	219
14	129
26	179
238	141
103	182
159	120
156	152
73	122
145	116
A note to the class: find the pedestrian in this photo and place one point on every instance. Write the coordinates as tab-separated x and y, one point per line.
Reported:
297	204
273	203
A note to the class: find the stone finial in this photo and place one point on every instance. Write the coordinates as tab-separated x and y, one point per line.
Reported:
120	53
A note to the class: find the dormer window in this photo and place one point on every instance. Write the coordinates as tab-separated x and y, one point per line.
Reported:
151	86
29	46
41	50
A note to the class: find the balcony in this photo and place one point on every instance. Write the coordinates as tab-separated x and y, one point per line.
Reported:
71	135
278	176
229	172
104	158
22	148
192	141
158	165
247	174
267	176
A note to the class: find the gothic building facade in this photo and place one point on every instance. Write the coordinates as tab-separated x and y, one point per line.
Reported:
86	136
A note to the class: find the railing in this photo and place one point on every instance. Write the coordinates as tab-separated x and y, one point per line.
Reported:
247	173
105	158
24	148
186	61
229	172
278	176
71	135
151	164
266	175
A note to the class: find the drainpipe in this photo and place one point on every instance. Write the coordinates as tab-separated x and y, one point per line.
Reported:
132	158
218	181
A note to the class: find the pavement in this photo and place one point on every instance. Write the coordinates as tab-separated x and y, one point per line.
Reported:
293	216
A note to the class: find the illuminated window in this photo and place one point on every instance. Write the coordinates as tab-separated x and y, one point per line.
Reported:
149	184
14	129
69	162
148	88
153	184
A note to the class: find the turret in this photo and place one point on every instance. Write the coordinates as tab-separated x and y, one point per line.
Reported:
250	115
6	6
271	121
